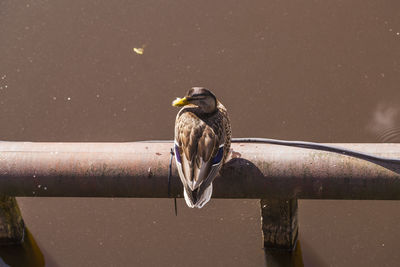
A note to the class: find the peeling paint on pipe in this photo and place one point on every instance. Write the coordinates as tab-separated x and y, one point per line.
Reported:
139	169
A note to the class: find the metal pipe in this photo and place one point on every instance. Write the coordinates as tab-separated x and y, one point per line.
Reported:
136	169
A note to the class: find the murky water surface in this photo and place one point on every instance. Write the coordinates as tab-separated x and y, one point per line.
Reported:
325	71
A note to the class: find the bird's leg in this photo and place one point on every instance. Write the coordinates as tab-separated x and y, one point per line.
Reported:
169	179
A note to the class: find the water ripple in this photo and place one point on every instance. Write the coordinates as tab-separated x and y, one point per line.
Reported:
384	123
391	135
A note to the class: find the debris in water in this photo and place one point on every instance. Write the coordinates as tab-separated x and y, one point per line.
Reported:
139	50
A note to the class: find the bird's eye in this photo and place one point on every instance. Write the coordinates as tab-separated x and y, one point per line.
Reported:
198	95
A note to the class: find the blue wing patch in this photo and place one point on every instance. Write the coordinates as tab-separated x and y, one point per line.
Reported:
220	154
177	155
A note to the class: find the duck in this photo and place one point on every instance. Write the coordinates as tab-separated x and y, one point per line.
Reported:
201	143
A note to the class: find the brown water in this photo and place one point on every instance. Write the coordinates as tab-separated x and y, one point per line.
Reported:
325	71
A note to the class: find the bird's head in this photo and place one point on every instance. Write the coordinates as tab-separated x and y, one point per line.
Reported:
200	97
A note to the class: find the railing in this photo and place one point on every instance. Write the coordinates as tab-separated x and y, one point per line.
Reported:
277	175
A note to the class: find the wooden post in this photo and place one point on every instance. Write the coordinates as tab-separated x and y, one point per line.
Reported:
279	223
12	228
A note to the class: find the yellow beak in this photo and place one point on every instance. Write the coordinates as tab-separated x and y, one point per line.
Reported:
180	102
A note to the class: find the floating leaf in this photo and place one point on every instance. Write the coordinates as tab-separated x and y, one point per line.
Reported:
139	51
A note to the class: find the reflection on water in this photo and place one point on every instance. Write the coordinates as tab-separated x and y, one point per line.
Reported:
29	254
385	123
26	254
284	259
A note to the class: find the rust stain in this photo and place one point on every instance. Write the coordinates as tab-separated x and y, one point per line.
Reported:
158	154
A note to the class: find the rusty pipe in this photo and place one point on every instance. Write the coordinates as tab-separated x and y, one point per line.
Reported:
140	170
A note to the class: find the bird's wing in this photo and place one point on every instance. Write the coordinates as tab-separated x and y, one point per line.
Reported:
199	153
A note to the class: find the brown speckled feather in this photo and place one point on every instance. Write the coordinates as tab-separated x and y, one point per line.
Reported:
199	137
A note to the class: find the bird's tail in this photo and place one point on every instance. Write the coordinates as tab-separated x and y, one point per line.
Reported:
193	200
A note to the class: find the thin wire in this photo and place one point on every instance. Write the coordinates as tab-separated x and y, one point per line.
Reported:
307	145
176	208
169	180
318	146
